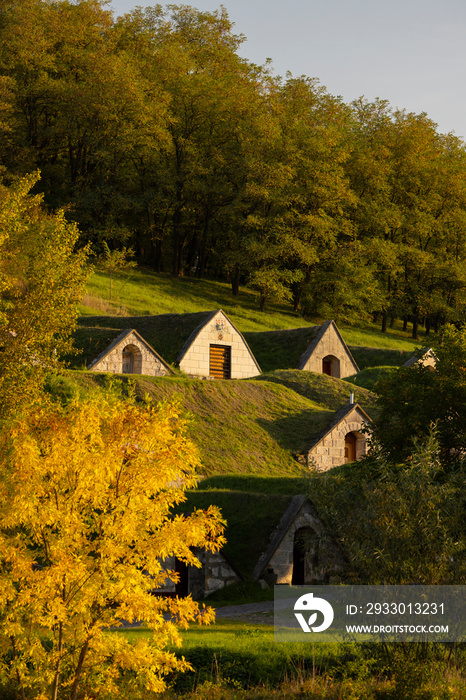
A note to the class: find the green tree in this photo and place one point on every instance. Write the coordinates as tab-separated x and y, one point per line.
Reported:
407	520
80	105
410	180
41	281
414	398
114	261
194	175
85	533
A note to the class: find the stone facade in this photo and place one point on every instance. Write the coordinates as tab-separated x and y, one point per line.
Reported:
300	542
129	353
218	330
425	358
214	573
328	353
328	450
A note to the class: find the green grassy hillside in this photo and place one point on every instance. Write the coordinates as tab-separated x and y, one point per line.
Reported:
145	293
247	427
251	517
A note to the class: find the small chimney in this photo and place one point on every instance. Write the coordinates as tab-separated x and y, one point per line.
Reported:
351	398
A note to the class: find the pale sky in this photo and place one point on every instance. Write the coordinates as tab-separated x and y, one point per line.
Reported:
410	52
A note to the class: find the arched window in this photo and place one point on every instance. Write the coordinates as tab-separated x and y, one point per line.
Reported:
331	366
131	360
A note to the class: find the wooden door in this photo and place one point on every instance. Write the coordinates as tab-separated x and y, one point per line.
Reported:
327	367
350	447
128	361
220	361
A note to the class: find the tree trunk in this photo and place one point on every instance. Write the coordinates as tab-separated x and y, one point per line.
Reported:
235	276
414	334
384	322
158	259
79	670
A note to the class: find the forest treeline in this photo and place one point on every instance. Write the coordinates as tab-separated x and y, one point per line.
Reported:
156	136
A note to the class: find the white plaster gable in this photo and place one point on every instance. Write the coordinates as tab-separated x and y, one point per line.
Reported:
217	330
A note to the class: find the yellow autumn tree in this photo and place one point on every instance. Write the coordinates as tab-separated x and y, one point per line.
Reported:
86	525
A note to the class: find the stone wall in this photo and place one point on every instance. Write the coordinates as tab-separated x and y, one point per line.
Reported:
216	573
323	560
219	331
145	361
329	452
213	574
330	345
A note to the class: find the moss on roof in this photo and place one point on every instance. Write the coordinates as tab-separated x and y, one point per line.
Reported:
322	389
280	349
244	427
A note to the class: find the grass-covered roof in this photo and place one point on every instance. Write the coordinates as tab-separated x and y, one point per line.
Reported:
254	426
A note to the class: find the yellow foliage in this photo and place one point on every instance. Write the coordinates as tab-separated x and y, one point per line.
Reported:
86	493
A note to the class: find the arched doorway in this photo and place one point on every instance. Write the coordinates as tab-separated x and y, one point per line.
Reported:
331	366
131	360
350	447
182	587
305	550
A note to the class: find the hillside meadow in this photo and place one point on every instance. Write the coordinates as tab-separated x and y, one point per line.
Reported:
142	292
254	426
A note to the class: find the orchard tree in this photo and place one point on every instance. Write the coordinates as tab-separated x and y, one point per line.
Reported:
86	492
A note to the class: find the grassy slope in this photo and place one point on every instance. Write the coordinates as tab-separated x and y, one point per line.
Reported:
252	517
247	431
144	293
253	426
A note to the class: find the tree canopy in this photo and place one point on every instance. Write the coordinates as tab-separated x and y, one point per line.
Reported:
86	492
162	139
41	281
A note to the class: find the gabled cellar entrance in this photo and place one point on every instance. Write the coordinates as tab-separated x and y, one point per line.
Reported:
355	446
220	361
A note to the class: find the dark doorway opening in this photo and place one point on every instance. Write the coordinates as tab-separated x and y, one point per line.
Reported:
181	588
305	545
